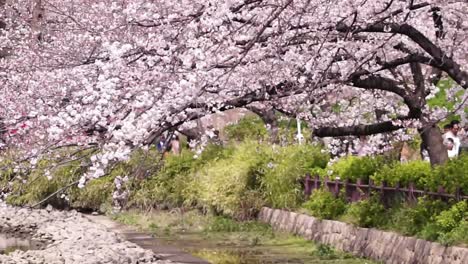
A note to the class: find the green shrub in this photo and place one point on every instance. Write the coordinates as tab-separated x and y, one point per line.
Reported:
453	174
367	213
325	252
418	172
281	183
170	186
353	167
323	204
164	186
451	218
7	164
96	195
449	226
250	127
412	218
222	185
233	180
458	235
37	186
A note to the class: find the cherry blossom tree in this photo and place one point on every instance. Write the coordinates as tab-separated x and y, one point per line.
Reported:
118	74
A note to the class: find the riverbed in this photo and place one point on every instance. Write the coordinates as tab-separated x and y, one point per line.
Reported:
11	242
221	240
66	237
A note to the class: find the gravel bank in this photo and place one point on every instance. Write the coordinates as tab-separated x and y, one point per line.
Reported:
69	238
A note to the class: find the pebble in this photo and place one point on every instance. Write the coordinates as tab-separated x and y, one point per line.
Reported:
69	238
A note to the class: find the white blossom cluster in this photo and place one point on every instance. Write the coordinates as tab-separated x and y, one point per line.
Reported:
119	73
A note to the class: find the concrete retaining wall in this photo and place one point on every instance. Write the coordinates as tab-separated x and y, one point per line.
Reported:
365	242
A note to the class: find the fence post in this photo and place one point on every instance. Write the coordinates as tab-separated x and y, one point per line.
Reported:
337	188
316	182
325	183
457	194
397	187
382	188
307	189
396	194
440	191
348	197
411	196
358	188
370	187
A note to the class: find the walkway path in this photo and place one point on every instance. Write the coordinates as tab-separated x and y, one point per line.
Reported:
147	241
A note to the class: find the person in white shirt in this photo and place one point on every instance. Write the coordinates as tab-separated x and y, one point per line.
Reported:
451	131
450	148
456	131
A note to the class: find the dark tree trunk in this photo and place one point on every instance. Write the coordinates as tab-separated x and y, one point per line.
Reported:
432	140
269	117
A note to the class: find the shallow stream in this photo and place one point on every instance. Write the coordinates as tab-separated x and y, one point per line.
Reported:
221	240
219	250
10	242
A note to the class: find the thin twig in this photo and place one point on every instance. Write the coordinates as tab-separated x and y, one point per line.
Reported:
56	192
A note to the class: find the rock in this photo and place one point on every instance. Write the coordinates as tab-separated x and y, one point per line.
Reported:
71	238
49	208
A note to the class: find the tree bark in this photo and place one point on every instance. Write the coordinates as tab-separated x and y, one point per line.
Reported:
357	130
4	52
432	139
268	115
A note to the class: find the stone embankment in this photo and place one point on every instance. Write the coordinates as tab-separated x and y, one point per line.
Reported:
364	242
68	237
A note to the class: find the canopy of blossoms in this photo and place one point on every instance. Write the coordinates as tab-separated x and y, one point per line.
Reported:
119	73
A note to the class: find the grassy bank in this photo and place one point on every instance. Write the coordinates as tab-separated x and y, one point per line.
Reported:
223	240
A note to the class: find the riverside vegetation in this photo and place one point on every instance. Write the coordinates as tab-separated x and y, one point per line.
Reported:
237	179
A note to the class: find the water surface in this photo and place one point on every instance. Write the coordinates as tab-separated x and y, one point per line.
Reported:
10	243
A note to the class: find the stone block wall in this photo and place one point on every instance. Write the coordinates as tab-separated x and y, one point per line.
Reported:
364	242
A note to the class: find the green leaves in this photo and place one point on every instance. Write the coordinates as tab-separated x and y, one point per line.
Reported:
323	204
367	213
281	183
250	127
418	172
353	168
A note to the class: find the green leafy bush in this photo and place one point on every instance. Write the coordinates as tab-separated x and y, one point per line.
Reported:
367	213
456	236
451	218
453	174
7	164
281	183
37	186
222	185
325	252
449	226
166	185
250	127
323	204
410	219
353	167
418	172
96	195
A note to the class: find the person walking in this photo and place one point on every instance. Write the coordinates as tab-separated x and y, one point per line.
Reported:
161	144
450	144
175	145
451	131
